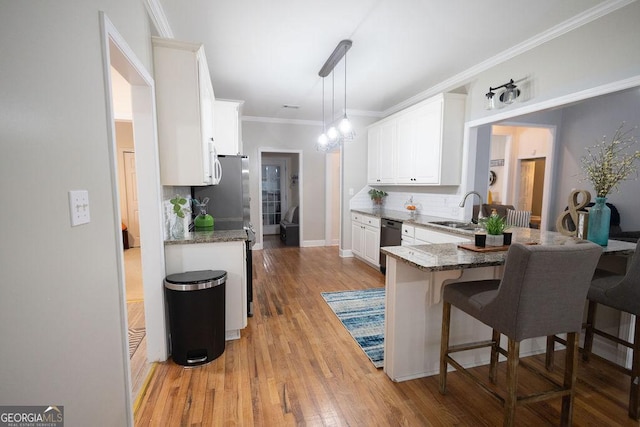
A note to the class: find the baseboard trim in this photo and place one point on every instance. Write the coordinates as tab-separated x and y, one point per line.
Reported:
312	243
143	389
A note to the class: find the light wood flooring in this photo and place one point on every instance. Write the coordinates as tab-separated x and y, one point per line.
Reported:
295	364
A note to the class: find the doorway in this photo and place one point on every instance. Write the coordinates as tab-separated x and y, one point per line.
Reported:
520	159
280	189
117	54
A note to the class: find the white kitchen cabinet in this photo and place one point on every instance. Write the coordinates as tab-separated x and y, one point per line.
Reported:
228	128
416	235
365	237
381	153
184	104
227	256
426	147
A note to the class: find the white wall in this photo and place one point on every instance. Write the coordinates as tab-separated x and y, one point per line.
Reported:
60	307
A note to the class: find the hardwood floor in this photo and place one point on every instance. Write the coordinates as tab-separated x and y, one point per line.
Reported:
297	365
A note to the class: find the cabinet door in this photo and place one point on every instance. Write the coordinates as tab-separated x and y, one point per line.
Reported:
227	127
428	137
419	145
373	155
184	103
387	152
356	238
371	245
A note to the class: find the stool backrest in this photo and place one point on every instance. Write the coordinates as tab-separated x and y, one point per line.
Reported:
627	292
543	289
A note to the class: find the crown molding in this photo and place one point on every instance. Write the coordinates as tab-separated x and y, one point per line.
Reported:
564	27
159	19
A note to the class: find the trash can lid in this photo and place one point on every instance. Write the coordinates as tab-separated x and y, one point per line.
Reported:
194	280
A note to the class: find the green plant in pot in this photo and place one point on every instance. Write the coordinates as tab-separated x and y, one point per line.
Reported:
377	195
180	207
494	225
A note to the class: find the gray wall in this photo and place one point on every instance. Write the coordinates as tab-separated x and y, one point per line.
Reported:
60	307
278	136
583	126
595	54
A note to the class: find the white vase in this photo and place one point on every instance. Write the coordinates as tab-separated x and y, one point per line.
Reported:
495	240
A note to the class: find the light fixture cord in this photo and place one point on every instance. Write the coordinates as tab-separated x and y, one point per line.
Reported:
333	95
324	127
345	81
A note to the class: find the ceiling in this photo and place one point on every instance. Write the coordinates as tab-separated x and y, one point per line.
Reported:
268	53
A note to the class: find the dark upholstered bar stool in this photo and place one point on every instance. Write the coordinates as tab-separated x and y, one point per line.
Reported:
621	293
542	293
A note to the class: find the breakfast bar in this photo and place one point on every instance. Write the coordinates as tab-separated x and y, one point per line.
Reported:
413	310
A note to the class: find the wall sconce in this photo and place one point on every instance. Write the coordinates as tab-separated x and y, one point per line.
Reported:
508	96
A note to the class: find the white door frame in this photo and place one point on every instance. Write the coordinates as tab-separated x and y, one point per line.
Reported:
262	150
117	53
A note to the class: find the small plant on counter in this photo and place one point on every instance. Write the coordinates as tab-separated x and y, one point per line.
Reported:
494	224
377	195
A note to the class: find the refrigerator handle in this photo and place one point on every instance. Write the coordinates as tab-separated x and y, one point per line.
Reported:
216	167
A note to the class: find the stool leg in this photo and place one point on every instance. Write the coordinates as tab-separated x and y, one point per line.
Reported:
634	393
570	373
493	368
548	358
588	333
444	345
513	359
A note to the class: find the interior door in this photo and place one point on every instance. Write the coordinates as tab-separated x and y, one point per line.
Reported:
274	201
131	187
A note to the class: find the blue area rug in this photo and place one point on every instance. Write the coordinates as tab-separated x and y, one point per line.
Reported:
362	313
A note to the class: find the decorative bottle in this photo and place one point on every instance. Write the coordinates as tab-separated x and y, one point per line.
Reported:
599	220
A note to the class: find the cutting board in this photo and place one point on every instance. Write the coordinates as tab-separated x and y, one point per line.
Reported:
474	248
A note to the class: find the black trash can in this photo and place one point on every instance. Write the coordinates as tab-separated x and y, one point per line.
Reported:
196	308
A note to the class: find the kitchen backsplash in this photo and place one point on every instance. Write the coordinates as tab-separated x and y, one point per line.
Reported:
441	205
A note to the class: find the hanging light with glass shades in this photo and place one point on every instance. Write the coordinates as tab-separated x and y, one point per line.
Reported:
331	138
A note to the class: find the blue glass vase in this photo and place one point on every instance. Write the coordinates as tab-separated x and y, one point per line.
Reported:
599	219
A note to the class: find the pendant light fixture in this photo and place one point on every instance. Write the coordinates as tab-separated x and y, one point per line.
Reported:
345	127
331	138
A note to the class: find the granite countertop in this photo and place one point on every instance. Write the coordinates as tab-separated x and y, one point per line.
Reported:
447	256
210	236
421	220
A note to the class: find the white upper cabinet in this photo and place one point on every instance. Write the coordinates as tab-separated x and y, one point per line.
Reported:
426	147
228	129
184	102
382	152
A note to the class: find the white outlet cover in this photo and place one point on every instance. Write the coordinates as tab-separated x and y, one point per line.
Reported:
79	207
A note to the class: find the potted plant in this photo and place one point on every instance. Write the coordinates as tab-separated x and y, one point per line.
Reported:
377	195
494	225
180	207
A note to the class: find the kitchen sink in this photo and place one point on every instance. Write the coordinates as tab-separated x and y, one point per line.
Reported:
456	224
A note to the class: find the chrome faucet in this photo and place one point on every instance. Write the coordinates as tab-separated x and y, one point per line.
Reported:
464	199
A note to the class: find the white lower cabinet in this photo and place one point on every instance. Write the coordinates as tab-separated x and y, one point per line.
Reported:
227	256
415	235
365	237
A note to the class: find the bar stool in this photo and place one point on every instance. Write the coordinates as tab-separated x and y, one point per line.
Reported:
542	293
621	293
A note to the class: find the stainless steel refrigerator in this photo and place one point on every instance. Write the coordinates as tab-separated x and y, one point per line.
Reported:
229	200
229	205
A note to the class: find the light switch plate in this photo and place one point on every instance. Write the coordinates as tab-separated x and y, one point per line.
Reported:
79	207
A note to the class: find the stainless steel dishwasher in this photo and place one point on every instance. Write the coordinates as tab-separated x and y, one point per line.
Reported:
390	235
